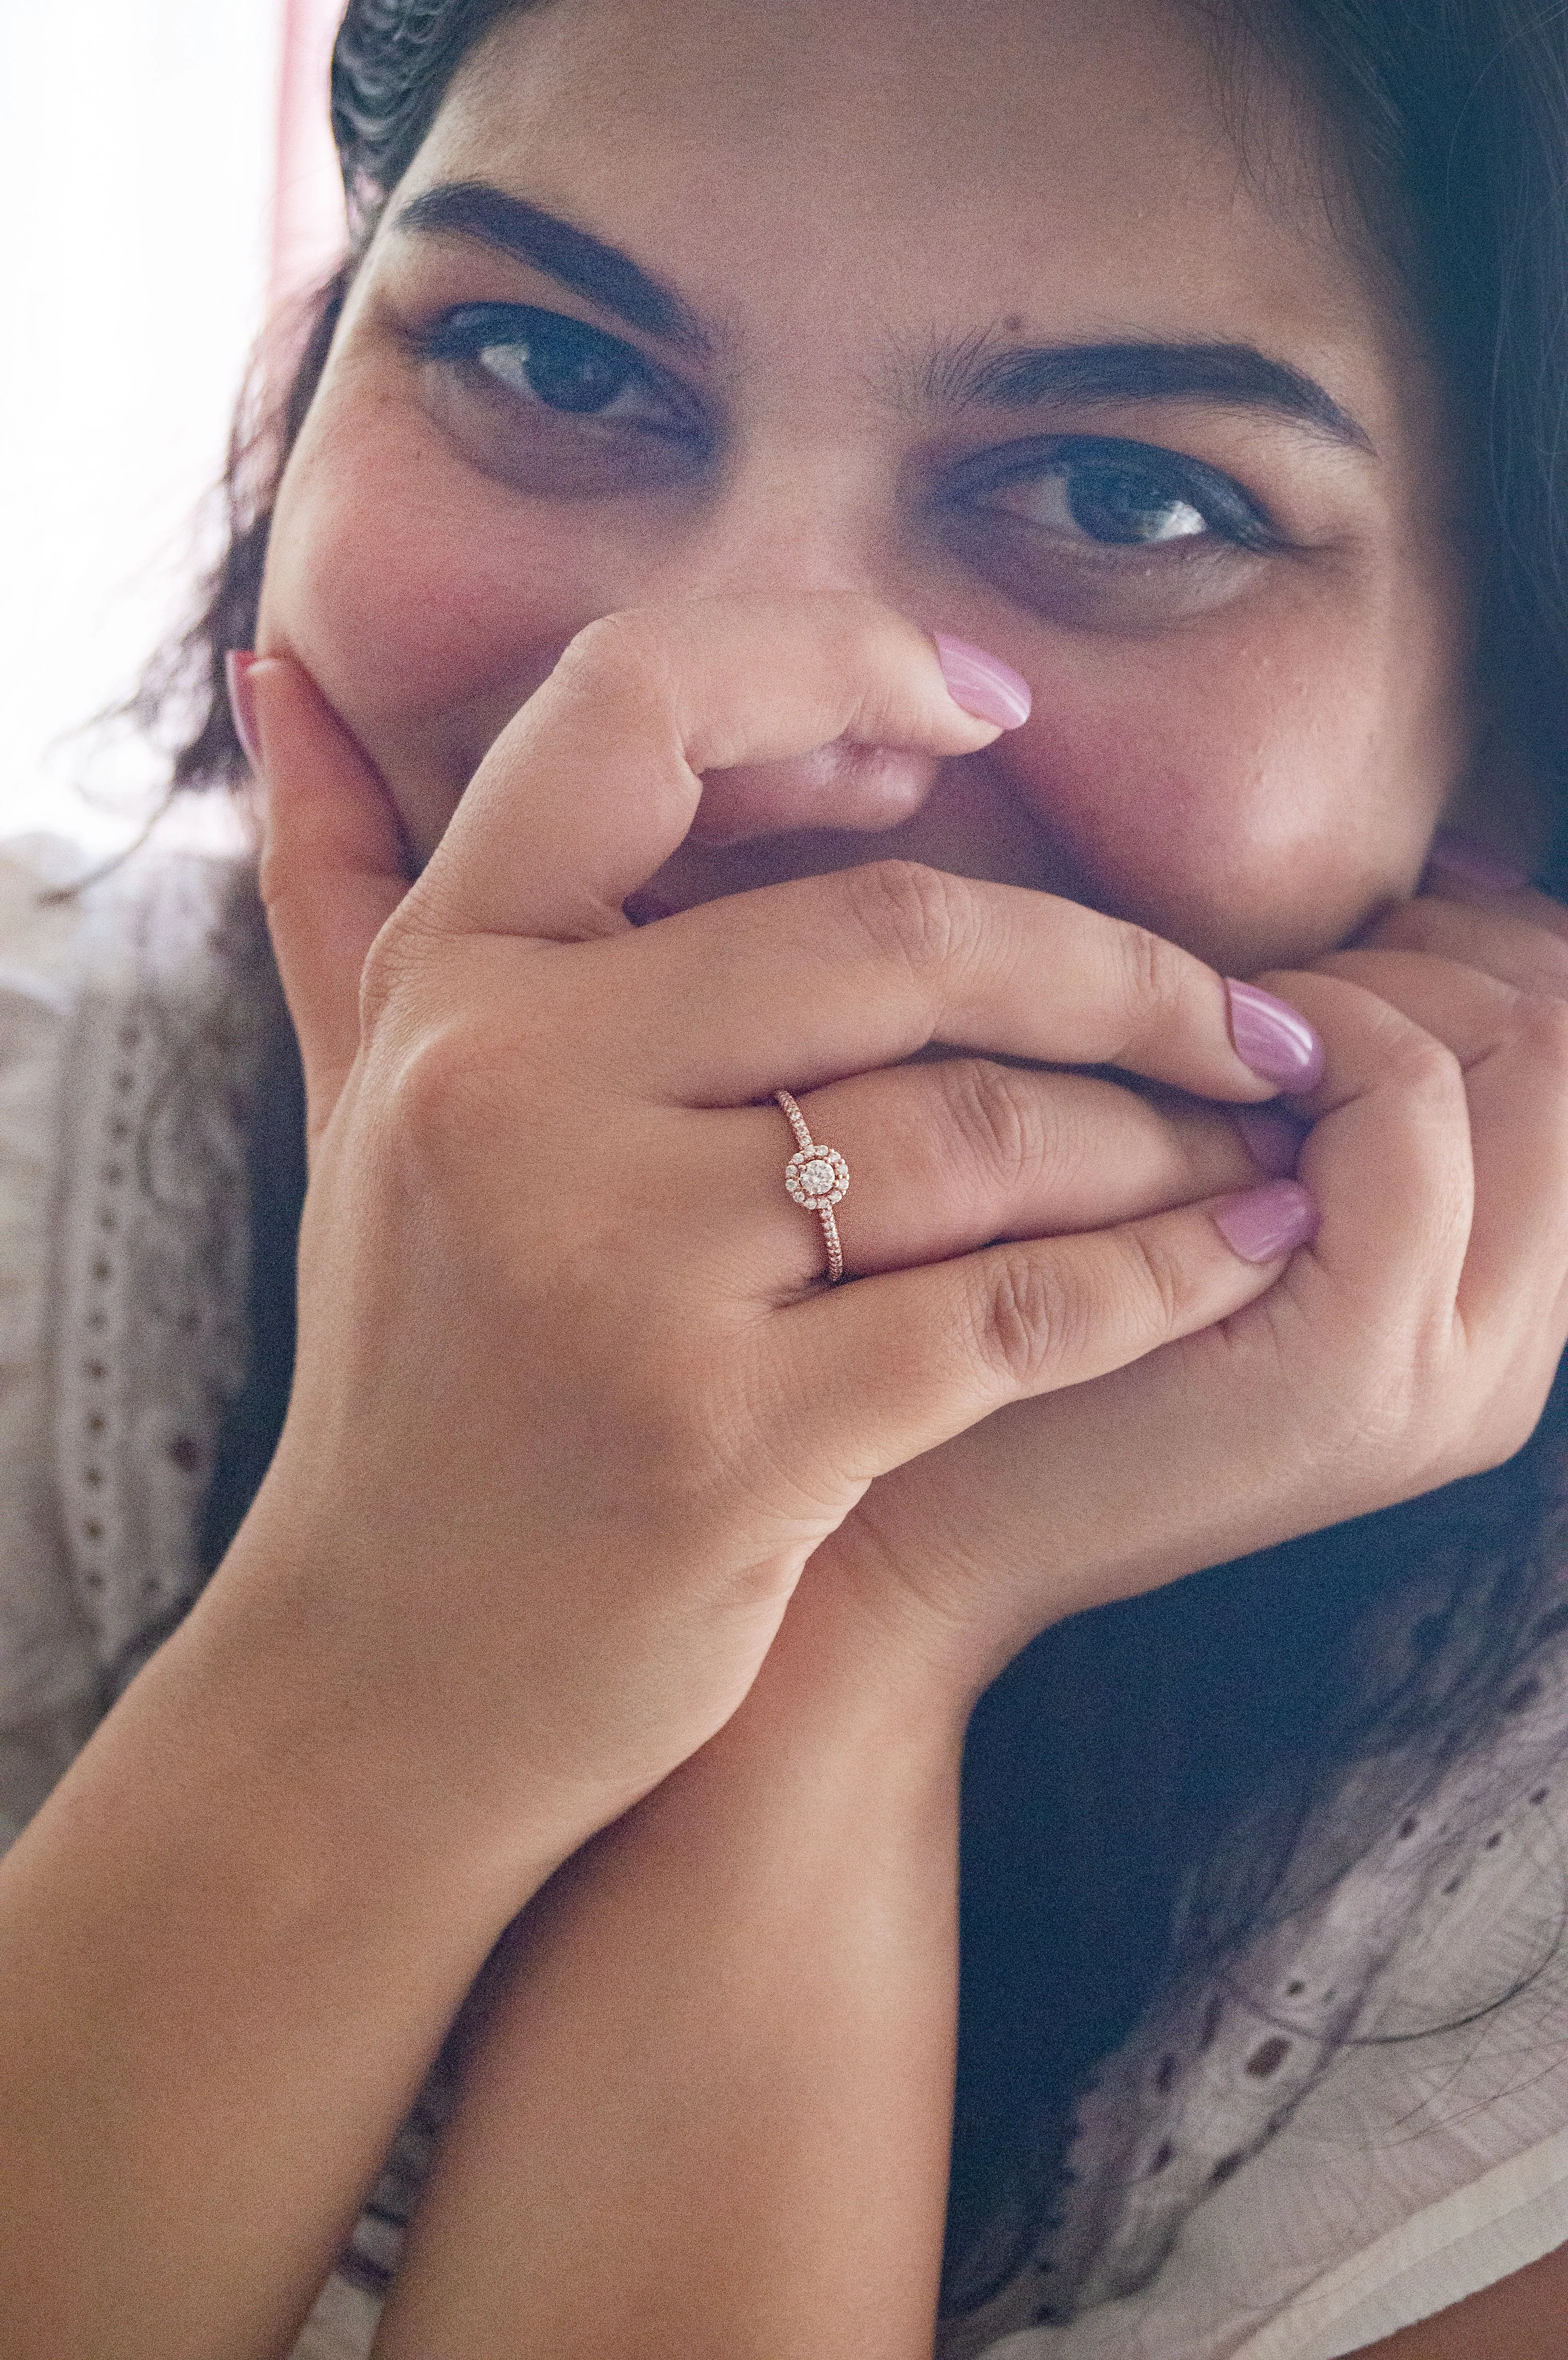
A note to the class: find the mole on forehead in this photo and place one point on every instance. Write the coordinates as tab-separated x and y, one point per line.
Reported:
965	372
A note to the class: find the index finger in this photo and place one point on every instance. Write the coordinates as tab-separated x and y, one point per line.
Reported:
795	985
591	786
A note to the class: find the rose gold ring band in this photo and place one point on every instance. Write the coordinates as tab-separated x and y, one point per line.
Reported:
817	1178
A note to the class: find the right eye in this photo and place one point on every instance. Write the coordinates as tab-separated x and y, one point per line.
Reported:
551	405
562	363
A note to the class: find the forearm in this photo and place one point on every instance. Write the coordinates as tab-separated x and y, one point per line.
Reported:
223	1969
711	2111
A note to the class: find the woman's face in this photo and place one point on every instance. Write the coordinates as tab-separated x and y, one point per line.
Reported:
973	307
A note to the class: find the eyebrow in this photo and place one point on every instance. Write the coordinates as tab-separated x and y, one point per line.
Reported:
972	373
1236	375
585	264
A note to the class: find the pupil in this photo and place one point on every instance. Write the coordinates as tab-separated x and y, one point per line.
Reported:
1119	505
569	376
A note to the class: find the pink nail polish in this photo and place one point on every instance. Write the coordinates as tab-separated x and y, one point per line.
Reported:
241	703
1274	1038
1261	1224
983	685
1461	860
1272	1140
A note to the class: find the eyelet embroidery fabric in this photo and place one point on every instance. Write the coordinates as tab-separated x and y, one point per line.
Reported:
47	1675
1400	2030
134	1018
175	995
135	1032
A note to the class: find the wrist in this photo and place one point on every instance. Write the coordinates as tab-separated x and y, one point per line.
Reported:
296	1712
841	1707
881	1654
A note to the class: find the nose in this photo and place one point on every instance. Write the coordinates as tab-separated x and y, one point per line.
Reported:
824	522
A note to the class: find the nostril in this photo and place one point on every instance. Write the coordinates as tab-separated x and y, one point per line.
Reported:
866	788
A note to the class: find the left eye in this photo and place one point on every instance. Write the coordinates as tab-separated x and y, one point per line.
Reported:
559	363
1116	495
1110	504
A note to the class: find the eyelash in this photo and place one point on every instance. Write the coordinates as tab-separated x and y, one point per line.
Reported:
468	332
1149	475
1167	478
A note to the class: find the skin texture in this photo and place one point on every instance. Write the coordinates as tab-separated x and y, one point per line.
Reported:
1247	756
744	1920
597	1522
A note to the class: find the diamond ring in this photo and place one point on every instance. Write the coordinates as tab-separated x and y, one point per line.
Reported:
818	1179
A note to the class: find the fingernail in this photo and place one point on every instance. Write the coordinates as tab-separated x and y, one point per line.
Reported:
1261	1224
241	703
983	685
1274	1038
1461	859
1272	1140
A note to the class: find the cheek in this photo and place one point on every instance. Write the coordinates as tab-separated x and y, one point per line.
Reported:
424	627
1254	793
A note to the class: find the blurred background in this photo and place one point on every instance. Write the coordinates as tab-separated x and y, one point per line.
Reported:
167	179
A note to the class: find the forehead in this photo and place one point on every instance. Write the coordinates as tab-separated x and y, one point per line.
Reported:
1068	167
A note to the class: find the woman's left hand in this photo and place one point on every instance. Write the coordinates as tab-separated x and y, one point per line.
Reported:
1412	1344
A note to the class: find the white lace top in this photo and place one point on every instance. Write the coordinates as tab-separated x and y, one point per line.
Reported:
1367	2121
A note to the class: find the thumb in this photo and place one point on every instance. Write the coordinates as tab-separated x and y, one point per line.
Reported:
333	862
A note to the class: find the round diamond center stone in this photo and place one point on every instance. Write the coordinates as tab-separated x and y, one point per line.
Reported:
817	1178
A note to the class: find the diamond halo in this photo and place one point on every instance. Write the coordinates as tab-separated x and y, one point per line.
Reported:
817	1178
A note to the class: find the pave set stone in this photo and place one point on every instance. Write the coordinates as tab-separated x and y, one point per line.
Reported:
817	1178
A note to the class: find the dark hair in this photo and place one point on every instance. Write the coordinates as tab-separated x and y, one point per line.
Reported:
392	63
1109	1771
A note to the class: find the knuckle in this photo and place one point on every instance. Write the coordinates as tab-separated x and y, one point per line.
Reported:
1051	1318
1027	1323
441	1087
389	965
919	915
993	1119
1549	968
1152	1291
1154	977
1543	1021
1425	1068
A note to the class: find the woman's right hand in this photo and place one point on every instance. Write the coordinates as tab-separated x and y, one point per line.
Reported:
569	1414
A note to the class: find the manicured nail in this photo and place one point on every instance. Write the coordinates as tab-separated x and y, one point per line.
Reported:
1461	860
1272	1140
983	685
1261	1224
241	703
1274	1038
